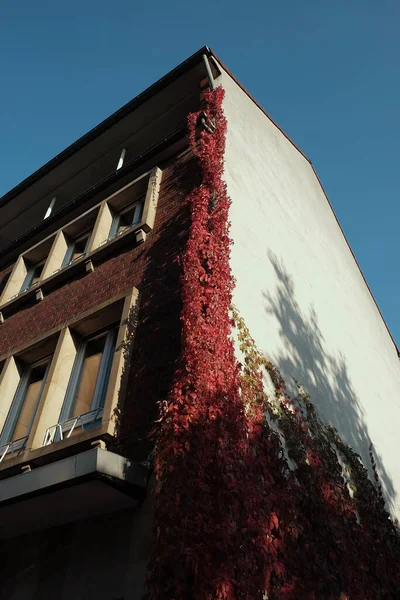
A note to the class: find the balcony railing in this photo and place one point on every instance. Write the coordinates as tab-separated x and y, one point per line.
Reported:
12	447
64	430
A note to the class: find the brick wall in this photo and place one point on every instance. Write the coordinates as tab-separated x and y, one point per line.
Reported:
151	267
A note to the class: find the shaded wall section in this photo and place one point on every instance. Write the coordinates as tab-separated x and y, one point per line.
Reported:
96	559
300	291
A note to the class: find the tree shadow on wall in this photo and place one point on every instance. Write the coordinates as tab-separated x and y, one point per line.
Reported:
323	374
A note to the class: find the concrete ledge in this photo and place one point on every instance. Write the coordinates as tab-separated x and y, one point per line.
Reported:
90	483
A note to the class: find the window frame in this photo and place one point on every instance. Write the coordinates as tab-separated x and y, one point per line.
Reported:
100	423
103	376
138	205
30	275
11	300
67	260
18	401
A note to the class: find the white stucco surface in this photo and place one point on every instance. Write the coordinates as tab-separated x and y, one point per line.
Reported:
300	291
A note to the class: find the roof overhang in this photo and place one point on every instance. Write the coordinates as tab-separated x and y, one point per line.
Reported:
147	125
105	125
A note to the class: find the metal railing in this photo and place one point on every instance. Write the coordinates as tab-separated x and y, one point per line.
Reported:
12	447
64	430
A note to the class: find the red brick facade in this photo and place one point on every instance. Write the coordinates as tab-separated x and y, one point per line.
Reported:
154	270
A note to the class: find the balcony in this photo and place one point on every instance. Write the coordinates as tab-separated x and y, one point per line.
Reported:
12	447
64	430
81	486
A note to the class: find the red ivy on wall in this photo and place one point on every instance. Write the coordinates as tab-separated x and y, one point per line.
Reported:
232	519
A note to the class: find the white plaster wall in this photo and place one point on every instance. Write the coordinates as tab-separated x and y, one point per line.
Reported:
300	291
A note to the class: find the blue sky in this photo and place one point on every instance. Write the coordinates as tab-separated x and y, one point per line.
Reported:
327	72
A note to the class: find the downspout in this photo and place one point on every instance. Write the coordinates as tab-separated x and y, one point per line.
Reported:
209	73
205	121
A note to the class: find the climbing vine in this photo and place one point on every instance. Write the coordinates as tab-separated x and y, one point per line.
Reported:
255	496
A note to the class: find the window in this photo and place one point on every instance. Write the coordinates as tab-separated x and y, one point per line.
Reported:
28	271
26	399
50	208
87	387
126	218
121	159
77	248
130	210
34	272
3	283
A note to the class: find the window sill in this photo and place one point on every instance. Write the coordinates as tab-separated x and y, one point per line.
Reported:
84	264
21	299
110	245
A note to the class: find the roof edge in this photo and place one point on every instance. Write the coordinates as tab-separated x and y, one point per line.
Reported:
137	101
320	184
105	125
355	259
211	53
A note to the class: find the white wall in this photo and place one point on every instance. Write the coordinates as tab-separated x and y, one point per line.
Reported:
301	292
